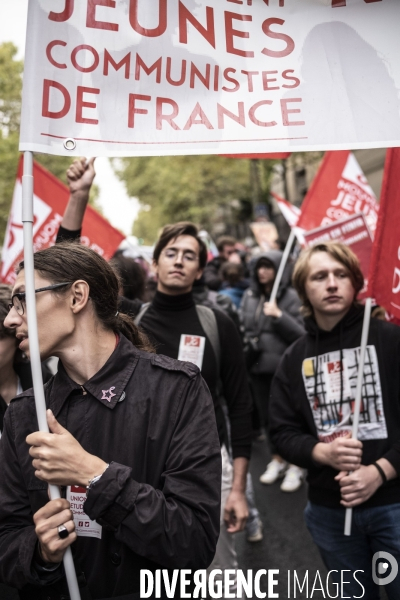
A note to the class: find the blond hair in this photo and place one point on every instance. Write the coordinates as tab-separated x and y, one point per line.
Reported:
339	252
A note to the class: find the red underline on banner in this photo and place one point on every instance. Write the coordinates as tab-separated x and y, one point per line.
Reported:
60	137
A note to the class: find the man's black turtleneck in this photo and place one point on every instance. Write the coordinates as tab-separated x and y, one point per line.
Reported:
167	318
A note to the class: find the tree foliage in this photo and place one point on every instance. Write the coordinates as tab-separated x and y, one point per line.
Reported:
184	188
10	108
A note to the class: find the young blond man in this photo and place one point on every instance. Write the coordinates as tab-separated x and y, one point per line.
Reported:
311	415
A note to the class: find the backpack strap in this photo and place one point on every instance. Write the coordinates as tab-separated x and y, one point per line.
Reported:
209	323
142	311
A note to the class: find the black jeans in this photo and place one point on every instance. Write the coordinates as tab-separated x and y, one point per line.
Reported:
261	385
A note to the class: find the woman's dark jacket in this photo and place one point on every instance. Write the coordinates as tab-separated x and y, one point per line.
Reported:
273	335
159	500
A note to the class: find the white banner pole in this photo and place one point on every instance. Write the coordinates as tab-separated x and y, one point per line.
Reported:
282	266
357	406
27	220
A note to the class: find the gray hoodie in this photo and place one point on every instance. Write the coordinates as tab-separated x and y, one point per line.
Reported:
274	335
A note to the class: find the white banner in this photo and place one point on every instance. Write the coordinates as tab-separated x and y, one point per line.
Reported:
155	77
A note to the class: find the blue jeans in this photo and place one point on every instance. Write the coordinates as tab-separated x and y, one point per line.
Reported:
373	530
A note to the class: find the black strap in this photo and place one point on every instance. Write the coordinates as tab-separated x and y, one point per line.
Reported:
381	472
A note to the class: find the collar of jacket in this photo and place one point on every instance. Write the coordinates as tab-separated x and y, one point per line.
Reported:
107	385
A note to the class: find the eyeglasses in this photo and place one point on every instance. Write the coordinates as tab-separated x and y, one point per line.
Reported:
187	255
18	300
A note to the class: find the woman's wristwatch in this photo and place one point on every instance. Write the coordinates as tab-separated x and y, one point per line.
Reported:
95	479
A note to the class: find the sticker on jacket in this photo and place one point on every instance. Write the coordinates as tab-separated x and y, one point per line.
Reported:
191	349
84	526
332	397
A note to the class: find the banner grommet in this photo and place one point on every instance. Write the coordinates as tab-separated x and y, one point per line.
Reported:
69	144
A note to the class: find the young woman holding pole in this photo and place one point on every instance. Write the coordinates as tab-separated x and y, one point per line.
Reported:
140	477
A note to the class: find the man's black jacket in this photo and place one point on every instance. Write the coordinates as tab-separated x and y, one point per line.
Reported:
159	500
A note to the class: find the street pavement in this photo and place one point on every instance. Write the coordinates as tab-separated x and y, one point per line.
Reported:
287	545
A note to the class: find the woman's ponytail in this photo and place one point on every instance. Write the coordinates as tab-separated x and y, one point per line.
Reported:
127	327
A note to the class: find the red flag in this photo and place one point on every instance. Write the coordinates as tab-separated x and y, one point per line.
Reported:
50	199
290	211
339	190
385	262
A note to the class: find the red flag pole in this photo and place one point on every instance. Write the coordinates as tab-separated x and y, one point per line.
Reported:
357	406
40	402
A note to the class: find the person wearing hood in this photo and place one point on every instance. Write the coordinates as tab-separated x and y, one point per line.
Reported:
272	327
311	418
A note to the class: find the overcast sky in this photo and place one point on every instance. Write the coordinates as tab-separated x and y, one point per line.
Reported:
121	214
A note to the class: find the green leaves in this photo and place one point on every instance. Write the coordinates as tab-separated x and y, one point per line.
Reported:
10	88
183	188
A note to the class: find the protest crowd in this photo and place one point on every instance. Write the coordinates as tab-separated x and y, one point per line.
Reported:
168	373
210	409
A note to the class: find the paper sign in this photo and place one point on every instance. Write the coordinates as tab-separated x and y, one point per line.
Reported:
191	349
333	411
266	234
84	526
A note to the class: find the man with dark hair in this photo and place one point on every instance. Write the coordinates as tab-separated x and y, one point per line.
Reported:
311	416
226	246
207	337
173	232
